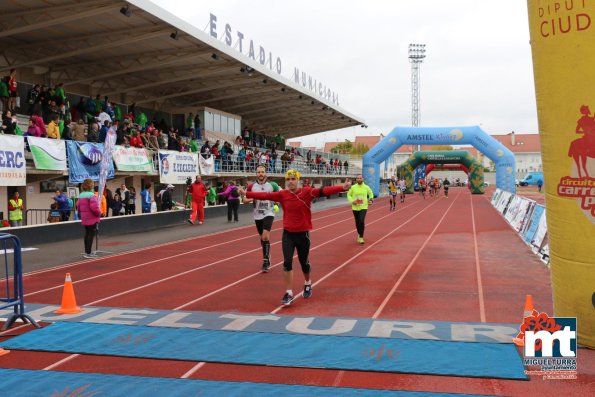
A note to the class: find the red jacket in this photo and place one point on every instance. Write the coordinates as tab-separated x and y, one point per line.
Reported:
297	214
198	191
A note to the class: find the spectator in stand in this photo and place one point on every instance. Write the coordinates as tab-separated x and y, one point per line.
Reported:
216	156
53	128
136	140
32	98
273	160
59	94
9	123
152	142
107	106
43	103
4	93
246	135
93	133
172	142
279	142
141	119
89	211
117	112
146	199
197	125
205	150
189	121
241	159
38	121
346	166
32	129
103	131
12	90
102	118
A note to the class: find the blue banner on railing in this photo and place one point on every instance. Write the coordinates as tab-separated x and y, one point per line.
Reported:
84	161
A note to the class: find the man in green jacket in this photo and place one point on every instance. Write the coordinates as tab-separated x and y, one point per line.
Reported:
360	195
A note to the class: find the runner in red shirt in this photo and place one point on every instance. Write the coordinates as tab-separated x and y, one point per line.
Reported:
297	223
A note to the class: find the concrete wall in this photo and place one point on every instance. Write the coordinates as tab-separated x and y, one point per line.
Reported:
48	233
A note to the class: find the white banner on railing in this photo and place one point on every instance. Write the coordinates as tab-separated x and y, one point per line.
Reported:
48	154
207	166
132	159
175	167
13	170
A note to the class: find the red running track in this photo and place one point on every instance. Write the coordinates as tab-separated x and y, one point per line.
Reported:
449	259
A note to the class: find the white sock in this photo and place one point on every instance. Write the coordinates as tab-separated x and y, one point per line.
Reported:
309	282
290	292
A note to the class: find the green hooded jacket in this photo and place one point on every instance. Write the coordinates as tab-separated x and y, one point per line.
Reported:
359	195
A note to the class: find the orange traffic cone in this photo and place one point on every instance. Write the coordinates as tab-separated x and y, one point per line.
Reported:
3	352
68	305
526	313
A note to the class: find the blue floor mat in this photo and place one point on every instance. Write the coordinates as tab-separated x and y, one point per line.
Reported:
27	383
289	350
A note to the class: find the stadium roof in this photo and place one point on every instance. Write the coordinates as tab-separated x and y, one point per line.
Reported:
146	55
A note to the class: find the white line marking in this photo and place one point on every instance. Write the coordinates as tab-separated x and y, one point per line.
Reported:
394	289
482	310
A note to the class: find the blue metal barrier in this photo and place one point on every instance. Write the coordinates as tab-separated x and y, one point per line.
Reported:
14	290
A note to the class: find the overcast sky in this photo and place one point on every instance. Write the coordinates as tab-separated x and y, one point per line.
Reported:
477	70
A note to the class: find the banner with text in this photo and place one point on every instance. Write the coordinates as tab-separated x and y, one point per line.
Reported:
84	161
562	37
13	170
132	159
207	166
48	154
175	167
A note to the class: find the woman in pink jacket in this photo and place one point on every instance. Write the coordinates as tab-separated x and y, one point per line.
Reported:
89	212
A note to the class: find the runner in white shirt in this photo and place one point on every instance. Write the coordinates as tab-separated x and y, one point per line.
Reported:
402	188
264	213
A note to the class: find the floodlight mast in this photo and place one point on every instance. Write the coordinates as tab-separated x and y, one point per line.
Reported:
417	53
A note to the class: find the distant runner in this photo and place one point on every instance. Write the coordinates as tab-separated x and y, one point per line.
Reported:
393	191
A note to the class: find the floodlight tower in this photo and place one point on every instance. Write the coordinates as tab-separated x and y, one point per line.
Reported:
417	53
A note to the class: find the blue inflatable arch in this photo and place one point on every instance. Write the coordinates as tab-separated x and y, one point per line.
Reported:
502	157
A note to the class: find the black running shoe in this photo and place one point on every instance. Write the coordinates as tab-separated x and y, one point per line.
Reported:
266	265
287	299
307	291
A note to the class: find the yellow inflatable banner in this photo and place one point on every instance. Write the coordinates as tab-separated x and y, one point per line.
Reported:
563	48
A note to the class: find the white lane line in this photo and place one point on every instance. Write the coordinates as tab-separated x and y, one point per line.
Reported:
404	274
482	310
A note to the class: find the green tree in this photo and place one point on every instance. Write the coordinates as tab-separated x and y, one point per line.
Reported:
343	148
360	149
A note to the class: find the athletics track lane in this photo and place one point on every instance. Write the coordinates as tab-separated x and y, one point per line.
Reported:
333	295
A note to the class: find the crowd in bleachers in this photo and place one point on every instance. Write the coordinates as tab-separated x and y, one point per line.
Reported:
51	115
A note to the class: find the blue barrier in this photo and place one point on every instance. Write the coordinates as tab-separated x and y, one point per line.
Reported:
14	292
